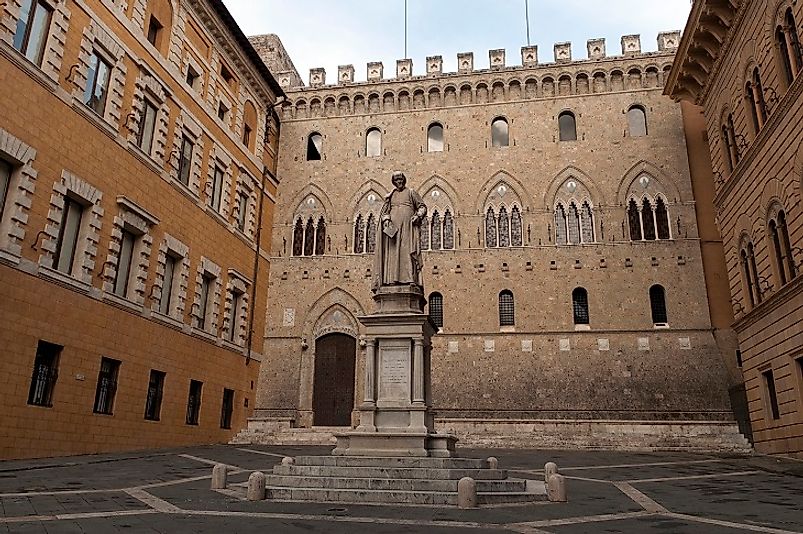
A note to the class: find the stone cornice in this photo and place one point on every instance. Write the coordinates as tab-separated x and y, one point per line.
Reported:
791	291
755	149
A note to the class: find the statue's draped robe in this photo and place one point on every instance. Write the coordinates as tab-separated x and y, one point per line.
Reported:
398	258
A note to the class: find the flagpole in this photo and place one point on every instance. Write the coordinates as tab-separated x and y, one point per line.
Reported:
405	29
526	17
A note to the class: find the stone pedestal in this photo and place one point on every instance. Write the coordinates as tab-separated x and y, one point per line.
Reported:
395	415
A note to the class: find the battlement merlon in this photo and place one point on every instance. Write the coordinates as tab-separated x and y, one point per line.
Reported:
630	49
273	54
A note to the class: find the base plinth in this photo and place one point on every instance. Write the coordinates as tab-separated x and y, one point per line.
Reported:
395	444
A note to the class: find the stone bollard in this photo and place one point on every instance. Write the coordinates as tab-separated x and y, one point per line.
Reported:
493	463
550	468
556	488
219	475
287	460
256	486
467	493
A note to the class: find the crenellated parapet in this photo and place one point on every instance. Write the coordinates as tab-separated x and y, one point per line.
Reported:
600	73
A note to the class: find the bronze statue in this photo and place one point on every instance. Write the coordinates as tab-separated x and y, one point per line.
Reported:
398	253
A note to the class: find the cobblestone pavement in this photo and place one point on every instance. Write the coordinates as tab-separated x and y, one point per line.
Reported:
168	492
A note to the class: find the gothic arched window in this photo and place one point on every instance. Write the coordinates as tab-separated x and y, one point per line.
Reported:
750	273
373	142
658	305
647	220
634	220
490	228
567	125
587	217
507	310
448	231
662	219
573	217
314	146
309	238
435	234
560	225
637	121
504	228
298	238
359	235
781	245
435	137
436	309
424	234
580	306
320	238
515	227
500	135
370	234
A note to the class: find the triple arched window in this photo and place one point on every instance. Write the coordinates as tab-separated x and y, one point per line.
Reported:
789	48
648	220
503	228
781	248
309	239
437	231
574	223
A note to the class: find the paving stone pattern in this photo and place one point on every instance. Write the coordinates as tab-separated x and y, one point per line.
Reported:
168	492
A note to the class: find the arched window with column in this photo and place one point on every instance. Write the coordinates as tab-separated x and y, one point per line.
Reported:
516	238
436	309
504	227
782	253
573	221
750	281
320	237
298	238
658	305
448	230
634	220
649	219
309	237
370	234
587	223
359	235
435	231
580	306
490	228
507	311
754	96
561	237
787	40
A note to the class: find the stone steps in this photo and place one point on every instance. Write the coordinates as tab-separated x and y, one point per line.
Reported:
432	473
388	462
392	484
393	496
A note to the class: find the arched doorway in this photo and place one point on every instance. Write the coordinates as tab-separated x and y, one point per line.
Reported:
333	388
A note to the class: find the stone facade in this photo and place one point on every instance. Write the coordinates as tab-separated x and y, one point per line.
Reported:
741	61
106	220
498	181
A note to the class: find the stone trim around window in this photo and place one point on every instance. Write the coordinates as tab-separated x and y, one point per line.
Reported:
137	221
171	245
89	236
207	266
240	283
96	38
245	185
187	125
147	85
57	33
218	157
20	191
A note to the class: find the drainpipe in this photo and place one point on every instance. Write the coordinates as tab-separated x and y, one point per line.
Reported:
255	271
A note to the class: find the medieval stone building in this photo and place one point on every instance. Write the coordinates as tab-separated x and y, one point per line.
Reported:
577	287
742	62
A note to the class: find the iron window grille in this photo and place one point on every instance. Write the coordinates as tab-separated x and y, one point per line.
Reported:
107	386
45	373
153	402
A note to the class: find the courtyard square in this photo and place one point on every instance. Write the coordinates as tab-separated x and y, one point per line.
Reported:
167	491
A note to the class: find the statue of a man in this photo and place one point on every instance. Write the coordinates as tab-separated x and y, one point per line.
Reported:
398	252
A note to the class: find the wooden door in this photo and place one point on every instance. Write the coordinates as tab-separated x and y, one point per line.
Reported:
333	390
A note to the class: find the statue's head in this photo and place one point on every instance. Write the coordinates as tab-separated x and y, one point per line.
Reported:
399	180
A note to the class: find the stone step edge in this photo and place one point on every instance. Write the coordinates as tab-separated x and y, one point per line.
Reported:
410	492
455	480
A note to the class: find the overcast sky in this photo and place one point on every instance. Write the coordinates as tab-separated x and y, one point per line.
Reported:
328	33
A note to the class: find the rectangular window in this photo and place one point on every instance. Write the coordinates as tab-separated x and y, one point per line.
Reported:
222	111
247	135
206	289
217	188
227	408
68	235
127	245
185	160
154	31
166	300
227	76
192	76
147	125
234	313
5	183
97	84
153	403
32	29
45	372
772	396
242	209
194	402
107	386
